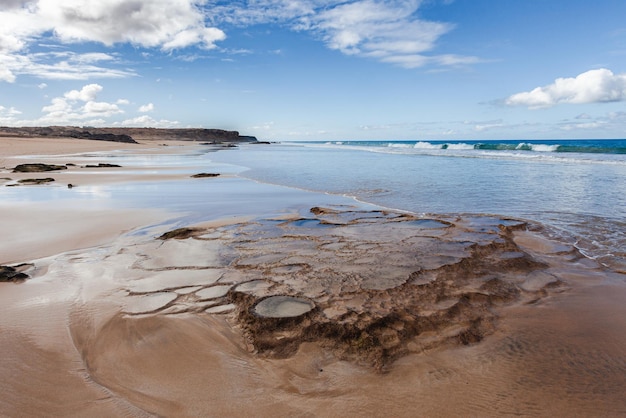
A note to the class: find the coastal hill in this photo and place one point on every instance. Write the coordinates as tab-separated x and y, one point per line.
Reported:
129	135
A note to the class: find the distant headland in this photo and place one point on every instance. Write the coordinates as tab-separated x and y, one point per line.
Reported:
128	135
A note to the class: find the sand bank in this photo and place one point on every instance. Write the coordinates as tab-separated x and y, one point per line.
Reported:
380	314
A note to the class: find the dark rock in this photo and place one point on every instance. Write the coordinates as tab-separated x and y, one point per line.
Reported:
202	175
36	181
102	165
37	168
13	274
180	233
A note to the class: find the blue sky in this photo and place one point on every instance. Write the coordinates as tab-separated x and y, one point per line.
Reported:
319	69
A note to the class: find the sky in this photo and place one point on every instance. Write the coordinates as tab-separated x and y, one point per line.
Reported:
319	69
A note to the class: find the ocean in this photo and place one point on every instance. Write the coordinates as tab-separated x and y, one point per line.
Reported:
575	188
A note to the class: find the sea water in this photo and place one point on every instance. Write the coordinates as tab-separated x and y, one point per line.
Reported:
575	188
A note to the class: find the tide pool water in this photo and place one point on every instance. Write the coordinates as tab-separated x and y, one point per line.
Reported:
579	194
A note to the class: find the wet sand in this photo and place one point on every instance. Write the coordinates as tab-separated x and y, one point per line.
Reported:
382	314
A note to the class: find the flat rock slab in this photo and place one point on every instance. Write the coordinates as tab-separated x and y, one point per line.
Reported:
37	168
283	307
36	181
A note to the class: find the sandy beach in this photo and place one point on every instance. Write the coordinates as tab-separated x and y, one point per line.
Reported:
331	310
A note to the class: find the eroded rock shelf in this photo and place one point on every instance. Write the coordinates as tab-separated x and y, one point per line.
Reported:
370	286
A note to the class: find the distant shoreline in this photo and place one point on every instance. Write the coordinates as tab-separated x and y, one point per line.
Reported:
128	135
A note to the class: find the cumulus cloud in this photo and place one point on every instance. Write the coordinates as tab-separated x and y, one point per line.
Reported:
148	23
594	86
146	108
163	24
77	106
86	94
82	107
386	30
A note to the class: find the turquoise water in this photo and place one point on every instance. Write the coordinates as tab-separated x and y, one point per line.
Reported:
584	146
581	195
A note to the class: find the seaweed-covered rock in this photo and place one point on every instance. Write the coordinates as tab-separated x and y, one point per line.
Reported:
37	168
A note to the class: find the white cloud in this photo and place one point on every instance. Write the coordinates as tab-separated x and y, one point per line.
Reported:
163	24
8	115
610	122
92	57
594	86
77	106
148	23
386	30
87	93
101	109
586	125
6	74
147	121
146	108
57	66
206	37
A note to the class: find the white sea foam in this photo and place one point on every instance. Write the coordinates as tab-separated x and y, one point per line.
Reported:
538	147
426	145
544	148
460	146
394	145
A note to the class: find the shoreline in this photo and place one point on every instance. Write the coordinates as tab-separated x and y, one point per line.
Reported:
60	225
484	308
